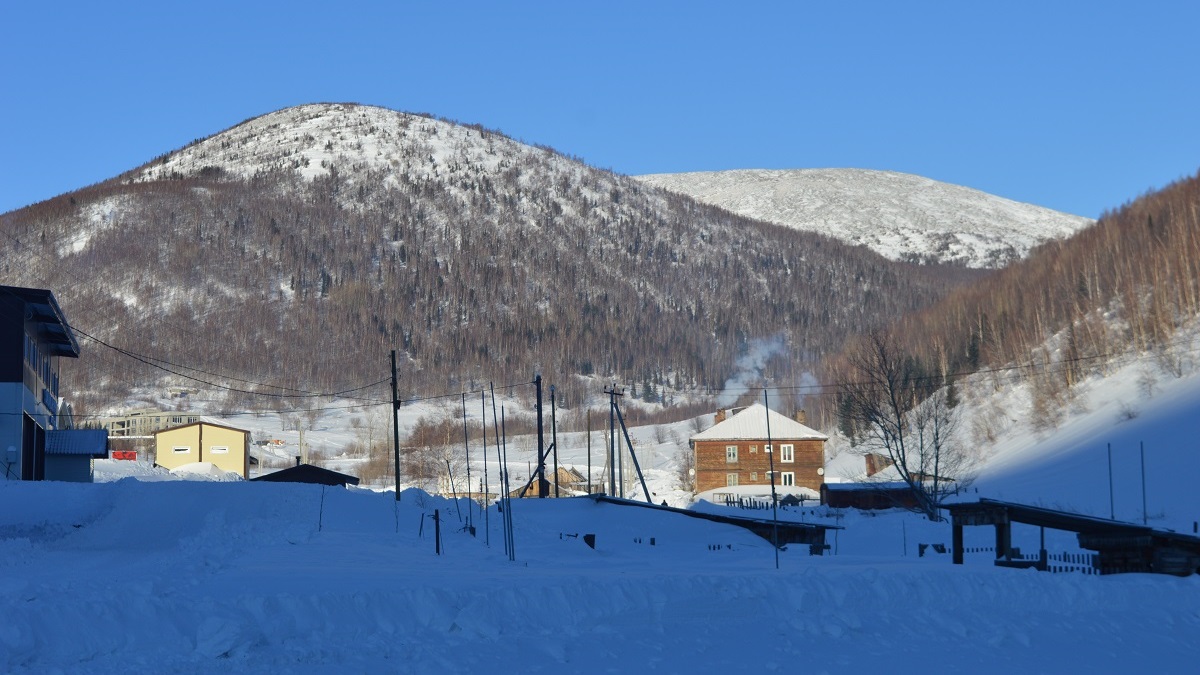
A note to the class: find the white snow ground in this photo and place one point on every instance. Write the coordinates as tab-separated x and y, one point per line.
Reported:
246	577
148	572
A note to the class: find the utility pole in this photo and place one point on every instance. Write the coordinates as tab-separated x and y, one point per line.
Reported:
612	441
543	489
633	458
467	452
1145	515
487	515
774	502
396	424
1112	508
554	438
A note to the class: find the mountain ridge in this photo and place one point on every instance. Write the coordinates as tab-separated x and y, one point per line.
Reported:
900	216
301	246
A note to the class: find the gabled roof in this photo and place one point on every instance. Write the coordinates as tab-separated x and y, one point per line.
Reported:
751	425
307	473
196	424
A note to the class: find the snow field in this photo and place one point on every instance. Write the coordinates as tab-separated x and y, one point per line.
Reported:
246	577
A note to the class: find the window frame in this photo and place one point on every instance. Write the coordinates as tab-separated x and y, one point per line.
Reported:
787	453
731	454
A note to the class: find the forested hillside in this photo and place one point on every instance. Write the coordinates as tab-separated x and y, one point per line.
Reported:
1074	307
298	248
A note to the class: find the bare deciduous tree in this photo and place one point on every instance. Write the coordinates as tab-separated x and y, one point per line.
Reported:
893	406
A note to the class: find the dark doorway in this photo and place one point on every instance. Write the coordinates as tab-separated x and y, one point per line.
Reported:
33	450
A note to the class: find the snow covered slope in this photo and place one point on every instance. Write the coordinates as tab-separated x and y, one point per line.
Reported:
1150	422
366	143
898	215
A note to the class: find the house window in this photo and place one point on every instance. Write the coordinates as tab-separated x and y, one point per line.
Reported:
219	450
767	447
787	453
787	478
731	454
753	475
731	480
754	448
182	449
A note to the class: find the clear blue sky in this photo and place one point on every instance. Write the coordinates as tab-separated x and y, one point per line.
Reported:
1078	106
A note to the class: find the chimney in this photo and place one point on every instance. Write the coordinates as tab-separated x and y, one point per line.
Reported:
801	417
720	417
297	460
877	463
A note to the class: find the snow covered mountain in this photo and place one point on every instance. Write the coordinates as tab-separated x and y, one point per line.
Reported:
476	256
901	216
364	143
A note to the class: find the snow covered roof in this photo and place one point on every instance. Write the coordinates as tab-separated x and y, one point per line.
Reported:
751	424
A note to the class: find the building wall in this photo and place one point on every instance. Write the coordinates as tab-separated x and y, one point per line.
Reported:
75	468
146	422
234	443
203	443
14	400
753	463
11	400
187	439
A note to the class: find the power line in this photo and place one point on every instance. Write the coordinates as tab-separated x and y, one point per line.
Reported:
456	394
151	362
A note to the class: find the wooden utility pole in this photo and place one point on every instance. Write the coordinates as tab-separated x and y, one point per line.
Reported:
774	502
554	438
612	441
396	424
543	489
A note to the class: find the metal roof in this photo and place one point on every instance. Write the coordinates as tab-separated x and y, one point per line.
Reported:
88	442
750	424
43	310
308	473
200	423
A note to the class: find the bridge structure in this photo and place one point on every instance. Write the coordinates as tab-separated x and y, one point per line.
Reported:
778	532
1121	546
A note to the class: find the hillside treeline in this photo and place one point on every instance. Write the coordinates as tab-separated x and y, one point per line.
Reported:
1074	306
471	274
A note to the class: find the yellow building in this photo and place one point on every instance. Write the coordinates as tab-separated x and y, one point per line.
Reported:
224	447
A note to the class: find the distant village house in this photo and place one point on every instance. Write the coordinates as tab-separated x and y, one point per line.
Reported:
735	452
